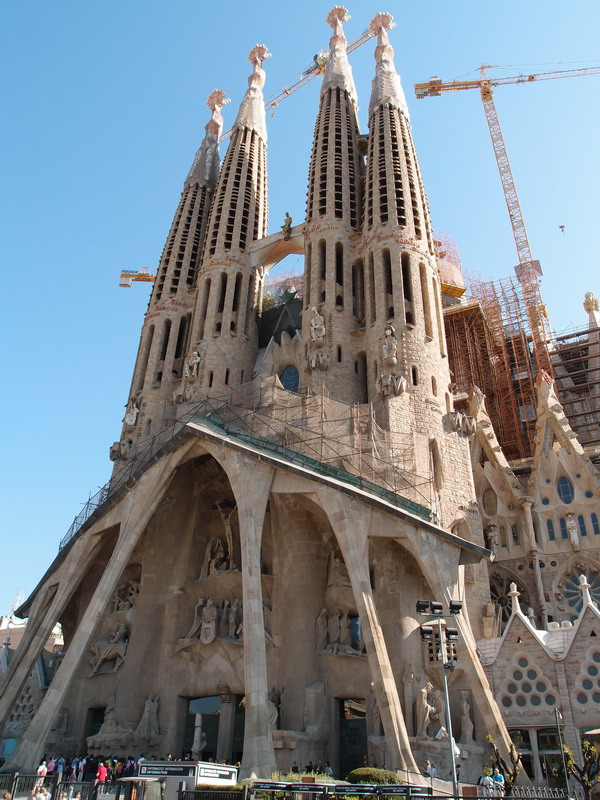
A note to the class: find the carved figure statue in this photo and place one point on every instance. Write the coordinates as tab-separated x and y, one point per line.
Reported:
215	559
267	623
437	701
287	226
112	649
223	623
199	742
384	385
317	328
208	628
337	573
226	517
491	538
273	708
233	618
192	365
148	725
390	346
125	597
466	725
345	633
333	632
131	414
423	710
321	631
573	531
110	724
197	623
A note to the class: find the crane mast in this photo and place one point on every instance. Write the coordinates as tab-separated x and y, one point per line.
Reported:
528	269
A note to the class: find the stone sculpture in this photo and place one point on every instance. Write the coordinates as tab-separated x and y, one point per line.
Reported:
192	366
466	725
199	742
112	649
321	638
573	531
337	572
287	226
317	328
390	346
197	623
208	627
423	710
131	414
148	724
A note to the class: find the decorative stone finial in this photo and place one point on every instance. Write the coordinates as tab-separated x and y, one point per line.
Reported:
387	89
592	306
584	588
205	167
514	595
336	17
338	73
252	108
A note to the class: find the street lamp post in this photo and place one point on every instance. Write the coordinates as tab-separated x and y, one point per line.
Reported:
558	718
433	611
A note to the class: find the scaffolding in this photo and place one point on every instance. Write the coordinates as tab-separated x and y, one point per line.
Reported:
490	346
576	364
329	437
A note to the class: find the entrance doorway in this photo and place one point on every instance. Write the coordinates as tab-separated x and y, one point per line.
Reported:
353	745
219	723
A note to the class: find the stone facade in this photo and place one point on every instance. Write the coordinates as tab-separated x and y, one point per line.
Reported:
247	588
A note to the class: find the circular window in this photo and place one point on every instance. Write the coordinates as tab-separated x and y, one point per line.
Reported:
535	700
545	501
592	670
596	697
582	698
531	674
587	684
541	686
526	687
523	662
512	688
596	657
518	675
521	701
550	700
589	494
506	702
565	490
573	594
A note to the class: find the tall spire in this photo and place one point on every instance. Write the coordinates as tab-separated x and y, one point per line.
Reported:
224	336
338	73
206	164
160	363
387	88
252	108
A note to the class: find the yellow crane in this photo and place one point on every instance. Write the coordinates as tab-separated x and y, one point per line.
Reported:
527	269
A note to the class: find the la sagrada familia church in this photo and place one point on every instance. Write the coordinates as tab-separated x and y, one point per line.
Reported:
291	480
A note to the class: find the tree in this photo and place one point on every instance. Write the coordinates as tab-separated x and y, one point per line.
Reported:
510	773
587	774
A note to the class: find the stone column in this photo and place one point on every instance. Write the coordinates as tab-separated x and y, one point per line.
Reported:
251	484
137	509
526	503
350	523
225	737
47	607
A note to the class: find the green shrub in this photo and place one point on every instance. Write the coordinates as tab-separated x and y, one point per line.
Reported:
372	775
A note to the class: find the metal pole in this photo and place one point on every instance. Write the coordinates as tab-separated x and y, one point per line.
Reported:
562	752
442	646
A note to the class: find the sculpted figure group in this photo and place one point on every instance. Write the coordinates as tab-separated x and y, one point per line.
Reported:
333	634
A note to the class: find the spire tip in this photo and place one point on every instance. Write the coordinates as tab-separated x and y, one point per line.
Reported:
217	99
336	17
381	21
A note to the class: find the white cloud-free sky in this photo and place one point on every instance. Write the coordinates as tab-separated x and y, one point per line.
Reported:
103	109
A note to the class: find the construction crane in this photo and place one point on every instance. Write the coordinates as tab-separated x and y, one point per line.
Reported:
528	269
317	67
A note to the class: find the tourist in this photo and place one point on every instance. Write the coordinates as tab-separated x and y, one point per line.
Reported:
499	782
295	768
328	771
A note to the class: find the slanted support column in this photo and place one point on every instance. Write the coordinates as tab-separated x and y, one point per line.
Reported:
251	484
350	523
137	510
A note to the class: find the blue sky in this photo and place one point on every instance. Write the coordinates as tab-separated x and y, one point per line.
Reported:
103	109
